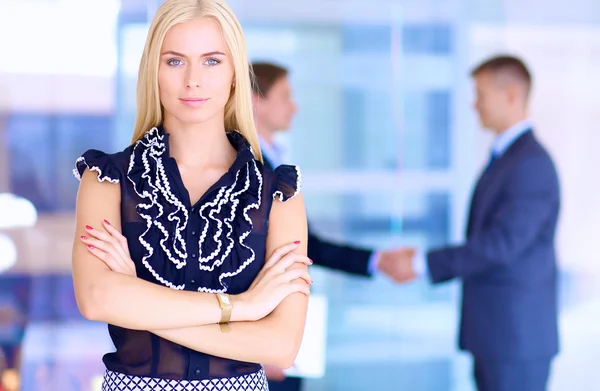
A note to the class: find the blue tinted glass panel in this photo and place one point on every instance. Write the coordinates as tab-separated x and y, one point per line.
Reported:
43	150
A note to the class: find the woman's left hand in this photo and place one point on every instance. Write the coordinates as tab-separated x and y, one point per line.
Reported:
110	247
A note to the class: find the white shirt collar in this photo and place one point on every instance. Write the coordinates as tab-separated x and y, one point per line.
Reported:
509	136
274	152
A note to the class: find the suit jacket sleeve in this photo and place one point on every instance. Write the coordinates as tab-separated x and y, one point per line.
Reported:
530	202
337	256
333	255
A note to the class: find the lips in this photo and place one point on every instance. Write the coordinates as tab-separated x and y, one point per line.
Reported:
193	102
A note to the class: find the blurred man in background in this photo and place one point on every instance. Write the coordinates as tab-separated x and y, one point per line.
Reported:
508	263
274	110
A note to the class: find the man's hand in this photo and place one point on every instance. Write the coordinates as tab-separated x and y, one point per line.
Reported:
398	264
274	373
9	316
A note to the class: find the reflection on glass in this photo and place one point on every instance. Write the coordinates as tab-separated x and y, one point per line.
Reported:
16	212
8	253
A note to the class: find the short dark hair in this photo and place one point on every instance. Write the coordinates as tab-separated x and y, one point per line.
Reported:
266	74
505	64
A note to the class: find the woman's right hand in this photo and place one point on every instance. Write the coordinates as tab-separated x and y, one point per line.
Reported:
284	273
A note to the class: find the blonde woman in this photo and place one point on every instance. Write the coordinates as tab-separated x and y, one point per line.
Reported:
188	247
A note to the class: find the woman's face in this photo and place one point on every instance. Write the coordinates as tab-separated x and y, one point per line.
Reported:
195	73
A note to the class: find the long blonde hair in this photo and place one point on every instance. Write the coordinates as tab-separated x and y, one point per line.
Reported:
238	110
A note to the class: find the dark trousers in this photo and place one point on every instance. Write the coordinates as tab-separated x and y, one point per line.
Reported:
516	375
289	384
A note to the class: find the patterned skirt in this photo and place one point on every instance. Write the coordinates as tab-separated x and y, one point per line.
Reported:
114	381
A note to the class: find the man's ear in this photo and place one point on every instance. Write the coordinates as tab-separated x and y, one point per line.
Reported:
515	92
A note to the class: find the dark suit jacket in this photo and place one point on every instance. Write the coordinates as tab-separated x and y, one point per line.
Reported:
336	256
508	263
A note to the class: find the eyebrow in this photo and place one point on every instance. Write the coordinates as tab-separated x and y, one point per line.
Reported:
173	53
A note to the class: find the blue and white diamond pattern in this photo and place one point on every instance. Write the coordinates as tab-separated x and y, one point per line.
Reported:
114	381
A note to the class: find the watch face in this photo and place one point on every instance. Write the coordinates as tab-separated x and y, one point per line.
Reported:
225	299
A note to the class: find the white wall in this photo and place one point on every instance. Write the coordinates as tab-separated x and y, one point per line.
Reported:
57	55
56	93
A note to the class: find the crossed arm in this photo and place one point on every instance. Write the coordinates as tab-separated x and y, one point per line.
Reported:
186	318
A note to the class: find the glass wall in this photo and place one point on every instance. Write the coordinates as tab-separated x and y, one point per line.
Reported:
373	136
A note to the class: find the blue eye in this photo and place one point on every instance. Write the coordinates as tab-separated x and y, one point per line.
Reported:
212	62
174	62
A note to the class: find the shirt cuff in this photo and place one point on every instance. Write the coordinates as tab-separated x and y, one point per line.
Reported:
420	263
373	265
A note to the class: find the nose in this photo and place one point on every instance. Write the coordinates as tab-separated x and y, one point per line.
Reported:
192	83
192	78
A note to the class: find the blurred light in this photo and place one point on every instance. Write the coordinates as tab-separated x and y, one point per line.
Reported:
8	253
97	383
16	212
79	37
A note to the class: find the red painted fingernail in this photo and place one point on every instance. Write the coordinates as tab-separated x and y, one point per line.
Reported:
297	242
311	261
84	238
90	247
88	228
106	222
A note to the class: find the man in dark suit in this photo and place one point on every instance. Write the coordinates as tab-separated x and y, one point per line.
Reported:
507	264
274	109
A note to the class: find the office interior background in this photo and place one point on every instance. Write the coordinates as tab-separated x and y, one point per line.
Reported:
387	140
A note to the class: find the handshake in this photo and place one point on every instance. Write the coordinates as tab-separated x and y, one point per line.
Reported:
398	264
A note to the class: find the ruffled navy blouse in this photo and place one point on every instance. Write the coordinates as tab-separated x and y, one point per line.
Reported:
215	245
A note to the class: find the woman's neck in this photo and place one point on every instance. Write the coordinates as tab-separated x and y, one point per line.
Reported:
199	145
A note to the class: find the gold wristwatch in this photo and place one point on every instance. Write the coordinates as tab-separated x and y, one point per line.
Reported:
226	308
